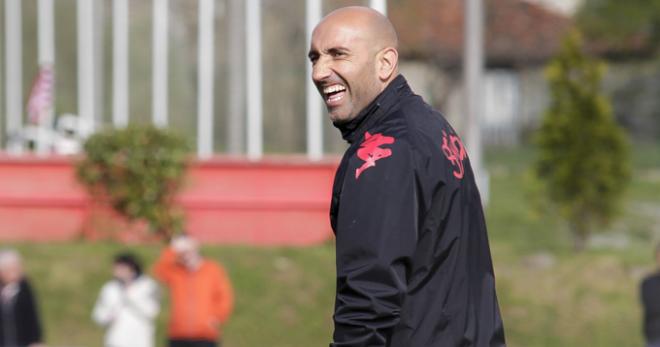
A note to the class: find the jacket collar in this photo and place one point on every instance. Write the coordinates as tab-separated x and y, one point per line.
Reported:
353	129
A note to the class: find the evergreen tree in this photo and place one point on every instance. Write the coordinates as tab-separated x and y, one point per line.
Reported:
583	154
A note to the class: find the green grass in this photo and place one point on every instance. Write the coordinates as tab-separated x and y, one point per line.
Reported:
285	295
587	299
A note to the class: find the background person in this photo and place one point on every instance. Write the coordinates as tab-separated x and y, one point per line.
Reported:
650	297
20	325
127	305
200	291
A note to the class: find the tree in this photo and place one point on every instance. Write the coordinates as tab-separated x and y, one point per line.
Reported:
621	28
583	154
138	171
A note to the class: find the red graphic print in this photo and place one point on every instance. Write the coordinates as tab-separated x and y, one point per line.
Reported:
370	151
453	149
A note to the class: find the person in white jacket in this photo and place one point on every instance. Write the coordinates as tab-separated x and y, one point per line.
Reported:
128	305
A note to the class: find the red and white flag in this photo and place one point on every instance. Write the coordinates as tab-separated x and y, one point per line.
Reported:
41	95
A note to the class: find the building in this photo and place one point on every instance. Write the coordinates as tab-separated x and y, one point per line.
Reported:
520	37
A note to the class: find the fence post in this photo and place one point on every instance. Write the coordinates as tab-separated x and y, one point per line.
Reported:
379	5
159	62
86	66
120	86
205	80
314	107
13	68
254	82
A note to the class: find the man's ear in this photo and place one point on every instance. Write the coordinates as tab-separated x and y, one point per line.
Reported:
387	62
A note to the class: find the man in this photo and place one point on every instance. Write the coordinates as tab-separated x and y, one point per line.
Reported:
128	305
413	261
650	297
19	318
201	294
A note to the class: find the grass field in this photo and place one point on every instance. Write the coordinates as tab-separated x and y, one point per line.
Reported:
549	295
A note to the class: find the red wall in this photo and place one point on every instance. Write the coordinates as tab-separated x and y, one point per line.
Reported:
276	201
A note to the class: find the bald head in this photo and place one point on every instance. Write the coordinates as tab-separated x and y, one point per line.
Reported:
374	27
354	57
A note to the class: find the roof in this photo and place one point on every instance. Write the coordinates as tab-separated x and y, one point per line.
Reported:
517	32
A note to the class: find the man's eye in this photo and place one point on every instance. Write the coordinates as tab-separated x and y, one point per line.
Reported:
338	54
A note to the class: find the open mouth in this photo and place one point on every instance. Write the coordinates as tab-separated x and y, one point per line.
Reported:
334	94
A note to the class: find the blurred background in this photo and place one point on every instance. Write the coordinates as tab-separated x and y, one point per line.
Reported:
536	87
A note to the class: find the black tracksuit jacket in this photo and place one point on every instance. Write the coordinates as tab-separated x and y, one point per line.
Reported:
413	262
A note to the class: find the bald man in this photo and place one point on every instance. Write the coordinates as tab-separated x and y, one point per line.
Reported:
413	261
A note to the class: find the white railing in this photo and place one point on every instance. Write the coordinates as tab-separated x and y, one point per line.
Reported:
88	71
13	66
254	82
120	85
314	107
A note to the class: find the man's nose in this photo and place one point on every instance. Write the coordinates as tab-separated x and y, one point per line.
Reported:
321	70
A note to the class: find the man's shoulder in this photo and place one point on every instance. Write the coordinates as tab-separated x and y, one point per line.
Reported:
381	149
146	281
420	120
409	137
110	287
436	145
24	283
212	267
652	280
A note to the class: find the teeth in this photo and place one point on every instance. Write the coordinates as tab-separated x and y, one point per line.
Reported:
333	88
335	97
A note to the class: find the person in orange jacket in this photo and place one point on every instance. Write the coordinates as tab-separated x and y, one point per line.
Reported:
200	291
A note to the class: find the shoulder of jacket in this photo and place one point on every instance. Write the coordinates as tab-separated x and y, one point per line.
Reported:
211	266
437	147
147	281
650	279
110	287
25	283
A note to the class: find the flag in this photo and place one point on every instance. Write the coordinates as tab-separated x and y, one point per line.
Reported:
41	95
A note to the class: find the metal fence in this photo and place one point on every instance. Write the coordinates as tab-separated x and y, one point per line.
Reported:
37	124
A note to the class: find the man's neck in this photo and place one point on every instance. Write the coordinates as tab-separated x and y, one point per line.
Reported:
351	129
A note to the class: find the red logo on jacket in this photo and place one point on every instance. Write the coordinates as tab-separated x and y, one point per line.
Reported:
453	149
370	151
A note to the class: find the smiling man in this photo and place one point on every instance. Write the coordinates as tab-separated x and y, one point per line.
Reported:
413	262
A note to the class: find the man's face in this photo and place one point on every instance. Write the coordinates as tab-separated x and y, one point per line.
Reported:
344	69
189	258
123	272
11	273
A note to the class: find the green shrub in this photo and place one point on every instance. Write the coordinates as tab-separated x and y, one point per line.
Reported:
583	154
137	171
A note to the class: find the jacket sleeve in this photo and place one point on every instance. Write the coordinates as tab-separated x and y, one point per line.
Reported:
223	296
165	265
144	300
376	237
104	309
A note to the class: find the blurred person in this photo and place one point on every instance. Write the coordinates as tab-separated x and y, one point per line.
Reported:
20	325
413	261
650	298
201	294
127	305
